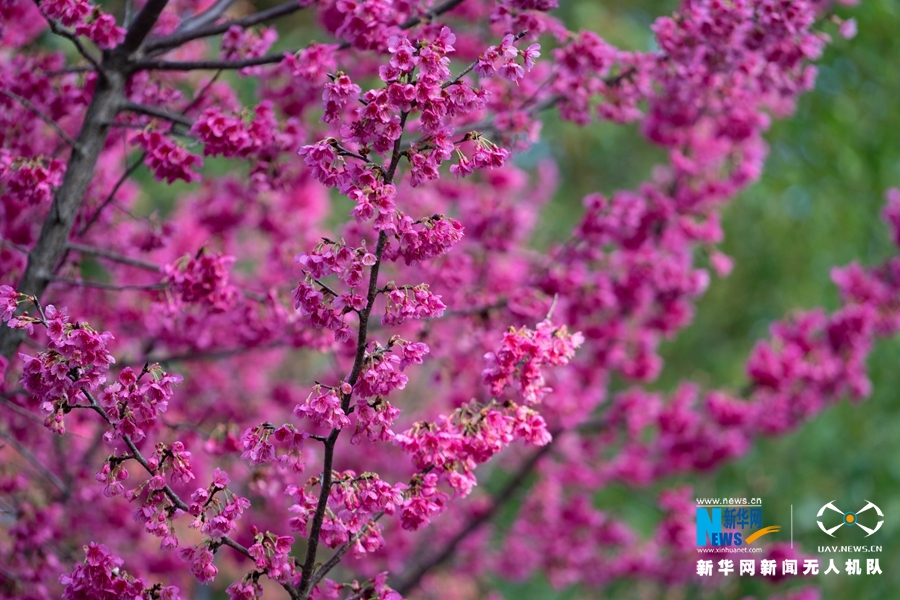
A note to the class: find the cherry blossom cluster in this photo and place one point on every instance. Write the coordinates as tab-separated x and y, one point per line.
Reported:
136	401
100	578
425	238
355	500
455	444
88	20
169	160
31	181
365	25
231	136
240	43
272	553
418	80
519	360
411	302
215	510
502	60
323	407
203	279
261	445
76	359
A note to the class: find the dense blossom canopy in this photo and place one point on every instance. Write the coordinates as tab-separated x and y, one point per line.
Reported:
288	380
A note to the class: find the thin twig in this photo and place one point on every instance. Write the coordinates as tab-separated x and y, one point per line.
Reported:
14	246
107	286
309	562
474	64
27	454
19	410
28	104
277	57
174	498
201	30
210	355
112	194
339	554
65	33
154	111
113	256
409	581
197	21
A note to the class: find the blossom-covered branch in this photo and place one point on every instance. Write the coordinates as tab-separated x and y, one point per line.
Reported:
344	244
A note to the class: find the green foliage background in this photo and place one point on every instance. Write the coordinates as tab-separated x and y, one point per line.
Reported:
816	206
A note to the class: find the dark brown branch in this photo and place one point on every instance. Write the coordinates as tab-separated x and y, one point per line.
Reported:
65	33
107	286
362	340
57	226
141	26
203	19
14	246
112	194
154	111
206	29
113	256
309	563
194	65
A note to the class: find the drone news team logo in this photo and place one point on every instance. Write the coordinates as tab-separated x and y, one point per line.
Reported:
851	519
730	526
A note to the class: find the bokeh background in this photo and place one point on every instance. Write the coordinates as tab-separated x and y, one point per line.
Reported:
816	206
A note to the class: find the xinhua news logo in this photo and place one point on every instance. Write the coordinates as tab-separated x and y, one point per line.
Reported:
732	524
851	519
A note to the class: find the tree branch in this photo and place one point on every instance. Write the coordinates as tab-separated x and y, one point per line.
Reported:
28	104
26	453
141	26
65	33
322	504
411	579
306	583
201	30
107	286
112	194
194	65
58	224
140	160
205	18
174	498
269	59
113	256
427	16
154	111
